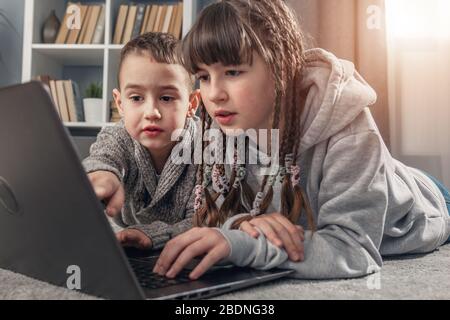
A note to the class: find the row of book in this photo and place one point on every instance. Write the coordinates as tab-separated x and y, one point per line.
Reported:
136	19
91	29
66	98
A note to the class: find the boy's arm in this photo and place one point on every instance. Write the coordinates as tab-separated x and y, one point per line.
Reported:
109	152
160	232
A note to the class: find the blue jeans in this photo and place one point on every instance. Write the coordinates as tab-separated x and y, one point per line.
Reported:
444	192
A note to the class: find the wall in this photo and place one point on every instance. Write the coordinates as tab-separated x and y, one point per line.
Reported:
11	42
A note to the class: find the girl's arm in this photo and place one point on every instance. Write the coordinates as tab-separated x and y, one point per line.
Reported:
352	208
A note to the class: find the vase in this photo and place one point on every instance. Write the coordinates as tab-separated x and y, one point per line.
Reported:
93	110
50	28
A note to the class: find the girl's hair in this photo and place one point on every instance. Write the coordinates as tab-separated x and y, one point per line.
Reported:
162	47
229	32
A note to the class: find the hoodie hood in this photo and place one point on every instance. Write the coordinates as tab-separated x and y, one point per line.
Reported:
337	94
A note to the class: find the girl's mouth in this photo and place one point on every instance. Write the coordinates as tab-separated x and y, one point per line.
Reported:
225	117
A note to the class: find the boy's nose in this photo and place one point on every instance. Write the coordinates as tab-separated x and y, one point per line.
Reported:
152	113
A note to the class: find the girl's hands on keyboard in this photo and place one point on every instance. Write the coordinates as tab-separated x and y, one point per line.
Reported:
181	250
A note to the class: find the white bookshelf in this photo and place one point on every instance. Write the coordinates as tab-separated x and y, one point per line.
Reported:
82	63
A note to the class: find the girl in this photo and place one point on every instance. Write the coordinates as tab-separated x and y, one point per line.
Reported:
337	178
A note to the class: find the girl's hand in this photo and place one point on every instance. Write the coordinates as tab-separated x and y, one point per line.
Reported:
108	188
279	231
179	251
134	238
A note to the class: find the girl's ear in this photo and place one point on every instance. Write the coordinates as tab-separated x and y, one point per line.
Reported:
118	101
194	103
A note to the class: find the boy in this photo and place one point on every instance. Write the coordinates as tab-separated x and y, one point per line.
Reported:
129	165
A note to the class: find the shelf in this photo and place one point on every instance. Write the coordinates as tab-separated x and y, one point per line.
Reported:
72	55
88	125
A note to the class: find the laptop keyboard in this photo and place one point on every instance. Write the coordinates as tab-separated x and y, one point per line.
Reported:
150	280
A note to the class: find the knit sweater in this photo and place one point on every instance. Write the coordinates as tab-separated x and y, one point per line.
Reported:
161	208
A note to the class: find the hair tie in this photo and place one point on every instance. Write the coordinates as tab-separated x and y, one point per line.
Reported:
295	175
198	197
240	175
219	181
257	204
288	162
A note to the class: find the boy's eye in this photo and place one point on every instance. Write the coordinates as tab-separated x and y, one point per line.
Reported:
136	98
167	98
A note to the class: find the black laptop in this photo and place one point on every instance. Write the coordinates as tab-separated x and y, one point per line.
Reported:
52	227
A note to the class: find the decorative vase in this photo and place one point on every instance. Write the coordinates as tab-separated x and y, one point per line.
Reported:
93	110
50	28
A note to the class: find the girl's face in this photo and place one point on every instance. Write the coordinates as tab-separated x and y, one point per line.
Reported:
238	97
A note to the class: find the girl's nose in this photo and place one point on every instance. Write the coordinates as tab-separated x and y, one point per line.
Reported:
217	93
151	112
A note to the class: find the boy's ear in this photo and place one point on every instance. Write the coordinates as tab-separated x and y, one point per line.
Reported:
194	102
118	101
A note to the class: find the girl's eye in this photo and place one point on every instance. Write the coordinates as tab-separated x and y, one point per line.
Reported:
136	98
202	78
233	73
167	98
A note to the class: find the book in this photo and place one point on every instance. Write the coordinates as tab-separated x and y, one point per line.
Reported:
168	17
92	24
157	19
178	26
138	21
54	95
63	29
85	25
114	112
146	16
62	102
99	34
70	100
130	24
78	102
162	18
152	18
120	24
74	33
173	19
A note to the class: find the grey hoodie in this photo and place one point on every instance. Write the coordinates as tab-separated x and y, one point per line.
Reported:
366	204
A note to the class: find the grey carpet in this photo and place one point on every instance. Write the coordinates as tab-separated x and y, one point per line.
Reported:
408	277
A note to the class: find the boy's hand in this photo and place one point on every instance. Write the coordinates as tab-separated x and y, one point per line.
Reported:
108	188
279	231
134	238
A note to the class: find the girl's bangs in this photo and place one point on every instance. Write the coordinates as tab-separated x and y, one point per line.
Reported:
218	36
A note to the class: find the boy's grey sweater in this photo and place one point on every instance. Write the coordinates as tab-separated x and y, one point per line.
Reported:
366	203
161	209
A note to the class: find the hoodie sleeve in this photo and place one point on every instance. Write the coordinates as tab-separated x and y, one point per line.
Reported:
109	152
352	208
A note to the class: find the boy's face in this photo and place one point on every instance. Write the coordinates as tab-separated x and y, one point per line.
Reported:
154	100
238	97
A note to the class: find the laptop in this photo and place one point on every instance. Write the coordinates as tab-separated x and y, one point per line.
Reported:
53	228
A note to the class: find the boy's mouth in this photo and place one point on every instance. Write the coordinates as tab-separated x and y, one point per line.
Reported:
152	131
224	117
